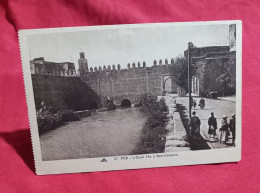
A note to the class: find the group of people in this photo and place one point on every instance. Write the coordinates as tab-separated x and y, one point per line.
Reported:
224	130
201	103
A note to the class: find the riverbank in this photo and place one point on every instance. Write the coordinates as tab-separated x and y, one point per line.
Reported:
48	121
177	138
152	139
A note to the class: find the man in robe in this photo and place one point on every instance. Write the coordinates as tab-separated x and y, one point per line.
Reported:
195	125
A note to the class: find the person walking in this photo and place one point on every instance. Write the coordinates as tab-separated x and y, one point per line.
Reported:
223	130
195	125
232	127
194	104
202	103
212	122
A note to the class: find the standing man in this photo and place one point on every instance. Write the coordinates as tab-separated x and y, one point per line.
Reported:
195	125
212	122
232	126
223	130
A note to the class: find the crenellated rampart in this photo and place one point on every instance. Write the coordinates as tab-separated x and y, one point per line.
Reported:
108	82
117	84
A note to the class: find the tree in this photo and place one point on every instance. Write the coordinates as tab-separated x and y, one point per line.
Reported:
223	82
226	80
179	71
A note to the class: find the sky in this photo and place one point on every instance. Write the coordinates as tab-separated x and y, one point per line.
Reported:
125	45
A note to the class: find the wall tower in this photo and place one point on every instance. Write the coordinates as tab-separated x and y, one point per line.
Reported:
232	37
83	64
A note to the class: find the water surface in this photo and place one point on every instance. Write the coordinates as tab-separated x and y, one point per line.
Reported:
108	133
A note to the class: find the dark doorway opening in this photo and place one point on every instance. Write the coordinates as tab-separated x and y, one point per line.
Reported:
93	105
125	103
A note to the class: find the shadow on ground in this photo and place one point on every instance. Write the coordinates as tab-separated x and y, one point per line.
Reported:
21	142
198	144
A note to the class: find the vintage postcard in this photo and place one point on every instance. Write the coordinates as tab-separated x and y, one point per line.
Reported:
133	96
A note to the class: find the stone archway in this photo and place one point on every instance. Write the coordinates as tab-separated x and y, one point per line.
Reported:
126	103
168	84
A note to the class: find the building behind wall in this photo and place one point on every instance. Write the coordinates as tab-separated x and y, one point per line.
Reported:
209	64
41	67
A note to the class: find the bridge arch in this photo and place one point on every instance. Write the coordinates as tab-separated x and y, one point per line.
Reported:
126	103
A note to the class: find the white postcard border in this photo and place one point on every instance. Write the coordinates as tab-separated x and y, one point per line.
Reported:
126	162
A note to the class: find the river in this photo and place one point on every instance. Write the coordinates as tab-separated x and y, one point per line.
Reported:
108	133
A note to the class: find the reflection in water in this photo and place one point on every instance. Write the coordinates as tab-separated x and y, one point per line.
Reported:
108	133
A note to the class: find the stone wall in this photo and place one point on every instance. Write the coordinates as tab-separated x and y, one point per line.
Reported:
209	68
211	71
131	84
66	92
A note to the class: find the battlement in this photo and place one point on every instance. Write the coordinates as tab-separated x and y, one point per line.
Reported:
130	83
133	66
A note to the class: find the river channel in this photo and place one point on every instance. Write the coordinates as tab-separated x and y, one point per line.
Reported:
108	133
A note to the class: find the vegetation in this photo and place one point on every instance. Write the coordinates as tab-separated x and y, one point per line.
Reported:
150	105
110	105
179	71
152	138
226	80
48	121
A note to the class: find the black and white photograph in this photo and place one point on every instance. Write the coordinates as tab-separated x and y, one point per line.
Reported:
133	96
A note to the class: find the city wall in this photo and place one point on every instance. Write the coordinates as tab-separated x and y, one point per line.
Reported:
131	84
59	91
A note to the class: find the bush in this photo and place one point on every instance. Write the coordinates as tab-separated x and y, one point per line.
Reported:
152	138
68	115
149	104
47	122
